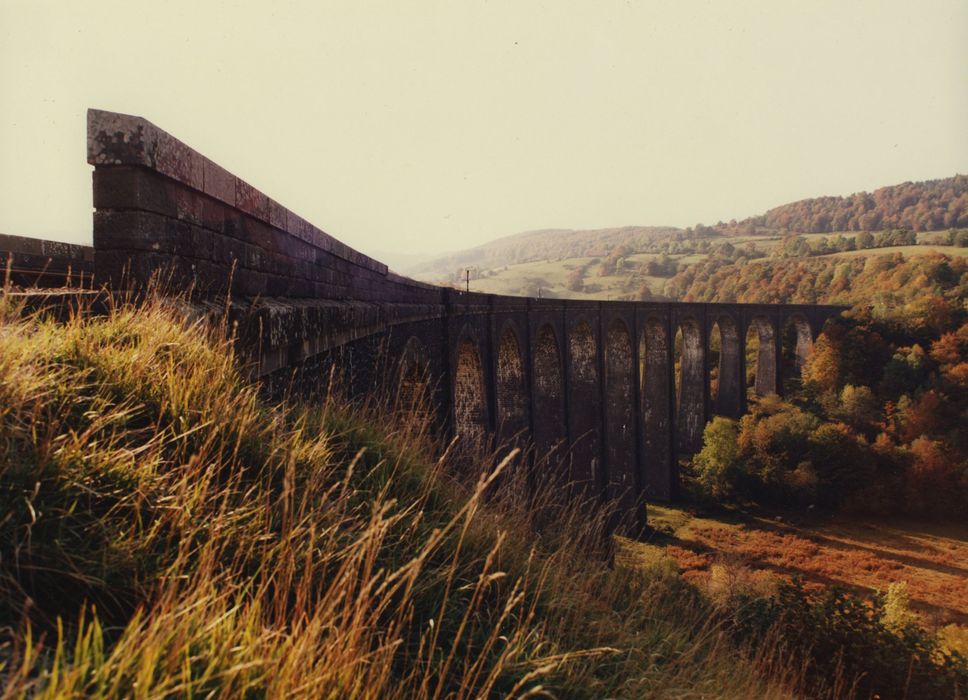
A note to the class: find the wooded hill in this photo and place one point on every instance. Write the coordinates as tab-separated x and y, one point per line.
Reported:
542	245
932	205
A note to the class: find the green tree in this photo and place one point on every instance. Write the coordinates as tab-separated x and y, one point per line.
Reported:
717	464
859	407
865	240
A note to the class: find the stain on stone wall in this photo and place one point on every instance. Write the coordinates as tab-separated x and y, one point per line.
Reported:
656	397
549	404
727	400
585	412
470	414
619	416
804	345
765	371
413	389
512	399
690	400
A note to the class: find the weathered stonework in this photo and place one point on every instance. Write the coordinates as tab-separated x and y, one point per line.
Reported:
512	398
470	413
585	405
549	406
589	385
620	433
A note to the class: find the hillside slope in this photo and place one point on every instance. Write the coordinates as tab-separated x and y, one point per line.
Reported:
933	205
167	533
540	245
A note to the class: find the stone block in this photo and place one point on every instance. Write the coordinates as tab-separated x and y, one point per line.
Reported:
227	250
179	162
249	283
277	286
136	269
251	201
301	288
255	257
141	231
218	182
202	243
278	215
130	187
298	226
256	233
119	139
213	214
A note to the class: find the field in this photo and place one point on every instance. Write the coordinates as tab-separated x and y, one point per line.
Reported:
864	556
550	277
906	250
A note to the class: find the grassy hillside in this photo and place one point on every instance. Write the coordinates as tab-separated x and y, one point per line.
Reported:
665	273
167	533
532	246
613	263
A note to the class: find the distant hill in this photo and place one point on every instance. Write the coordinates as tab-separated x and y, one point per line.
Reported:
543	244
931	205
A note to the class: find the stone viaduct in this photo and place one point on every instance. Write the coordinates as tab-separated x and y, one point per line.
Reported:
609	394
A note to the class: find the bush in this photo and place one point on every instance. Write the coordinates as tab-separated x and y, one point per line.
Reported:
716	466
848	648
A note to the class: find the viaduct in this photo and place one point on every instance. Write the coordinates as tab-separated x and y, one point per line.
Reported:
602	390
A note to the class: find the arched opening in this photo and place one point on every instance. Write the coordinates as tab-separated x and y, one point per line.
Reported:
584	413
512	400
761	369
655	394
413	386
690	386
796	343
470	413
619	415
549	397
725	388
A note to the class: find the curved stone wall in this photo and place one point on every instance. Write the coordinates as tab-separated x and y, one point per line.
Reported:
589	384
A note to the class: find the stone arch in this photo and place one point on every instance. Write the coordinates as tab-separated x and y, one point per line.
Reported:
761	365
726	393
690	385
796	344
584	412
413	380
620	415
658	477
512	390
549	396
470	412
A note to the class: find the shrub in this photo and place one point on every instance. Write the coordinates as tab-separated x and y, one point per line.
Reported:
717	465
848	649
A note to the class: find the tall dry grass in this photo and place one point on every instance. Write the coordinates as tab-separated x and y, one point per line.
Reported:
164	532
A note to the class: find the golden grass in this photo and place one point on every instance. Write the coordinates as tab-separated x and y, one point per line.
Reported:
165	532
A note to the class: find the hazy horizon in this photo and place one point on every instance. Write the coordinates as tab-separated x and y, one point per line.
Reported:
431	130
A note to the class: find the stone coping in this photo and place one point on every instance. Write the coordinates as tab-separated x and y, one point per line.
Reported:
124	139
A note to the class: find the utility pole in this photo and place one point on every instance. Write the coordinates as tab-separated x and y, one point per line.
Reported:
467	272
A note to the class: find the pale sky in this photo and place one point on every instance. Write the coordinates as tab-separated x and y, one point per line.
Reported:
425	126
